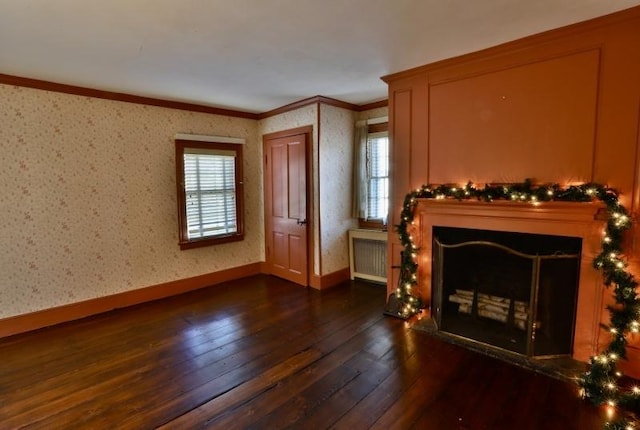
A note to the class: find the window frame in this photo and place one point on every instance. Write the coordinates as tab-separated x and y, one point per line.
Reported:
183	237
371	223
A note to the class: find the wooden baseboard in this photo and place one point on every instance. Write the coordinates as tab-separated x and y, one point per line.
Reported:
330	280
264	268
47	317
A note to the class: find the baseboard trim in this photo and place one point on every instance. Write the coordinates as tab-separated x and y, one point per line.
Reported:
330	280
48	317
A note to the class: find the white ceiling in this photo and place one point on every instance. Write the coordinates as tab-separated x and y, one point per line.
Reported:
257	55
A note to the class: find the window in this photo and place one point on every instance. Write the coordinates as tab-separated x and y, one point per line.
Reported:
378	176
209	180
371	174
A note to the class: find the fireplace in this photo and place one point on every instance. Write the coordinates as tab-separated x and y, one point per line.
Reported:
508	290
572	230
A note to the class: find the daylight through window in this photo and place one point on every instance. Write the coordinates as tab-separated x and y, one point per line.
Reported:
209	192
378	176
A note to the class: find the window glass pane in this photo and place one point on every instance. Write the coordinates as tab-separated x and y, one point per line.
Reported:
378	176
210	194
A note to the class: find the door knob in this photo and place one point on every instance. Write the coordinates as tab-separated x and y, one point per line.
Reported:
299	222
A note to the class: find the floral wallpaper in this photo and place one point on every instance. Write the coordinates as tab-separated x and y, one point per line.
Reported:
89	201
336	163
373	113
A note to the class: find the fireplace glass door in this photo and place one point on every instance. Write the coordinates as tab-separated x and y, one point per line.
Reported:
512	291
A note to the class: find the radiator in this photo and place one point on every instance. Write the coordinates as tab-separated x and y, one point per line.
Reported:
368	255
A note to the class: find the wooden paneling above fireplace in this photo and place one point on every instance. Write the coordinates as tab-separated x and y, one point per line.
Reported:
561	106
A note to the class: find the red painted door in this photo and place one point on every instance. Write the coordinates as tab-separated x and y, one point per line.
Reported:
286	207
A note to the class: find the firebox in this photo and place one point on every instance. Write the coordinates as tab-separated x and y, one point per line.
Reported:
508	290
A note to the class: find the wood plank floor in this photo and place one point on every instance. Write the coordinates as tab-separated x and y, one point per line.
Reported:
262	353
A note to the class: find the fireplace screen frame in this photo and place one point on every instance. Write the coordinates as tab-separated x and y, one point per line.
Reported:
536	261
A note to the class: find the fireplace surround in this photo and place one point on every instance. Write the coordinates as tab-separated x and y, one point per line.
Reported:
582	221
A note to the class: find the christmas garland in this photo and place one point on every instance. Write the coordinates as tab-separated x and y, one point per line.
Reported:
600	383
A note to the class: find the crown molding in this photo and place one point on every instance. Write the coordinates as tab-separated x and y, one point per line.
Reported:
306	102
110	95
192	107
374	105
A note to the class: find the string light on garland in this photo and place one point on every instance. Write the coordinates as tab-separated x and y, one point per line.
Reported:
600	384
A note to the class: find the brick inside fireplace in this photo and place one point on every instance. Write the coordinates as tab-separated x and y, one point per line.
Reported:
581	221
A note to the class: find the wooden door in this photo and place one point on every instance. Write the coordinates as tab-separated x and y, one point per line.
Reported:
286	208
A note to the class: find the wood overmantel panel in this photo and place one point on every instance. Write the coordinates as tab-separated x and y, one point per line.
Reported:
562	106
529	120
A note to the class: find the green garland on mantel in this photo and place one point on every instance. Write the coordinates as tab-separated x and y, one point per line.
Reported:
600	383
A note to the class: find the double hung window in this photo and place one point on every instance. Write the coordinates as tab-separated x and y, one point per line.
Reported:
370	203
209	180
377	176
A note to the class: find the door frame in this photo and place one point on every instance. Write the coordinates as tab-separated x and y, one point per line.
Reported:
308	132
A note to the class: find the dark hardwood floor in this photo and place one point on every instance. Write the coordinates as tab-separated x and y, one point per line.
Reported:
263	353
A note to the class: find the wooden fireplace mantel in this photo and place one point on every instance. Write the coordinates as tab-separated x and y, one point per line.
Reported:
570	212
582	220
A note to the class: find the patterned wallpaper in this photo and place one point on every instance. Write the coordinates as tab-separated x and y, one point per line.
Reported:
373	113
336	161
89	200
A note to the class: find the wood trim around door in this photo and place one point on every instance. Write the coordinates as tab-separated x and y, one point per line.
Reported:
308	131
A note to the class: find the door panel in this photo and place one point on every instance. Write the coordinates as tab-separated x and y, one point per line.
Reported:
279	180
297	188
286	207
297	257
280	256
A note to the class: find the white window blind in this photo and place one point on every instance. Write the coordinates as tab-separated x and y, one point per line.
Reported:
210	192
378	176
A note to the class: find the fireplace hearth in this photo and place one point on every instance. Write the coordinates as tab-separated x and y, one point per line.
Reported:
507	290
